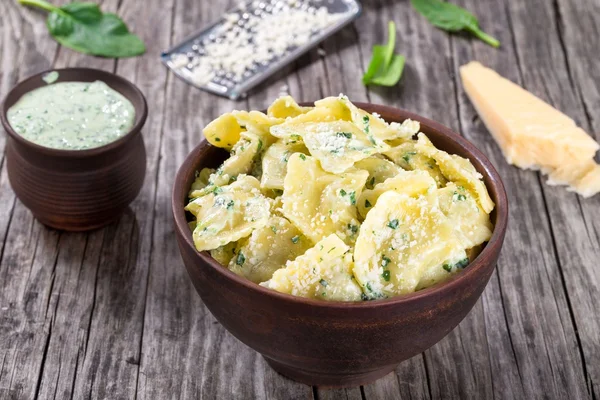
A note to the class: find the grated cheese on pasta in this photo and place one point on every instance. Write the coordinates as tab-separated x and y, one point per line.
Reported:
333	203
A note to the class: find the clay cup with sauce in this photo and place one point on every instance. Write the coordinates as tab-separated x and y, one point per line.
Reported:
77	190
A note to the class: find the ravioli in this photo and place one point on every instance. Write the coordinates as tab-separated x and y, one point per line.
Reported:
467	216
401	238
459	170
333	203
225	253
410	183
320	203
201	181
257	121
268	249
286	107
371	124
409	157
275	161
228	213
379	169
223	132
243	156
324	272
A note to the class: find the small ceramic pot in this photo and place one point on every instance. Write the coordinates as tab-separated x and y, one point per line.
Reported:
336	343
77	190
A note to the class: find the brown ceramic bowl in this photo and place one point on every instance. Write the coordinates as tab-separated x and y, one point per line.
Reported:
336	343
77	190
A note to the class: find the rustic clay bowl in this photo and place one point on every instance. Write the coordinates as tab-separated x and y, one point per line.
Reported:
336	343
77	190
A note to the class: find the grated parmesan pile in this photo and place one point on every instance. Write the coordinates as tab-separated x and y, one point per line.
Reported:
253	36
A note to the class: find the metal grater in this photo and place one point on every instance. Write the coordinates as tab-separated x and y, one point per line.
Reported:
254	40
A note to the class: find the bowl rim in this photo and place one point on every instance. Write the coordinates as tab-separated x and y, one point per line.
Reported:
441	289
98	74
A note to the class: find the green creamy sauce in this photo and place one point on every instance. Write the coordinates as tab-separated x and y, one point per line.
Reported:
72	115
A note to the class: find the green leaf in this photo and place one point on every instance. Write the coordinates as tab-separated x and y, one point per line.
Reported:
452	18
391	44
385	67
377	61
84	28
392	74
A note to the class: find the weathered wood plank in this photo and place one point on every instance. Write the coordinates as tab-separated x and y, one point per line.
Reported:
185	352
28	251
541	334
458	366
71	300
545	71
72	288
108	362
578	25
339	394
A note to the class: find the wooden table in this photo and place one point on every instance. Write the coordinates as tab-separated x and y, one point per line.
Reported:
112	314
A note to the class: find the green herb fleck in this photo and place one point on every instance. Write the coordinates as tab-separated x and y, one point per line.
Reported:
240	259
459	197
447	267
323	282
371	183
295	239
303	157
217	139
260	145
274	228
385	261
342	192
393	224
347	135
386	275
353	198
366	121
230	205
452	18
406	157
462	263
353	228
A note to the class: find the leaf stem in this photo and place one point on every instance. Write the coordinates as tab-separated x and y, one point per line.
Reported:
492	41
44	5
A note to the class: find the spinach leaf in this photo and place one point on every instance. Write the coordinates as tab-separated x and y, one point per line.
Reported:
385	67
391	75
85	28
391	44
452	18
377	61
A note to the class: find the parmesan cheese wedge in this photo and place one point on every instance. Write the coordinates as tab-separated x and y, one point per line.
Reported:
531	133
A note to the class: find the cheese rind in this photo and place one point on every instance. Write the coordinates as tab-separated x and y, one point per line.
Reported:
531	133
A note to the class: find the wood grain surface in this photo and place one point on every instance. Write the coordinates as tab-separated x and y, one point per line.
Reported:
111	314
